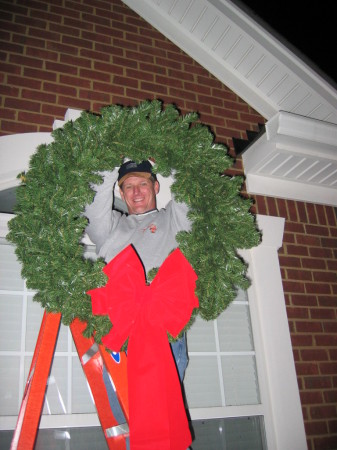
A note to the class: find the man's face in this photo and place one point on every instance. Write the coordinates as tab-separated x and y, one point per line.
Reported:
139	194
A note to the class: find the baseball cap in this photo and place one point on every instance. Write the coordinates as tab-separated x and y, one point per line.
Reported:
132	169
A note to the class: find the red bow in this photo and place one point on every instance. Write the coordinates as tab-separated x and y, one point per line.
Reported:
145	313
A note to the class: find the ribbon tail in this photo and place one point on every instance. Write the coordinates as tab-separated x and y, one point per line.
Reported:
157	413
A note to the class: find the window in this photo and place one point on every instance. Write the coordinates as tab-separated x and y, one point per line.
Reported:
227	384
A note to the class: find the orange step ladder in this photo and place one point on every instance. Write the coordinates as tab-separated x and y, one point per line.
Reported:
97	365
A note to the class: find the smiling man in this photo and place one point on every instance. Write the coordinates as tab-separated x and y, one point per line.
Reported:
138	187
152	232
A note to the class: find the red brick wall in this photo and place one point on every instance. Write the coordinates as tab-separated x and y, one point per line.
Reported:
59	54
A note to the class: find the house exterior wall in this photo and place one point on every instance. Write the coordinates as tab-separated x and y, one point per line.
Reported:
59	54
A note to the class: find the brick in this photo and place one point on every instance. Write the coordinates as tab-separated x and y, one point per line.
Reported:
29	117
314	355
299	250
330	326
320	412
109	68
308	327
77	42
328	367
307	368
313	263
331	215
57	112
31	22
74	23
70	31
10	68
43	97
311	397
29	41
318	382
289	238
326	313
9	114
304	300
69	16
92	95
311	211
292	211
329	242
320	211
125	81
108	50
304	239
316	428
95	75
96	37
301	340
103	21
40	74
293	227
179	94
60	89
289	261
15	127
317	288
46	16
332	424
62	48
88	8
329	301
282	208
62	68
25	61
325	443
297	313
330	396
317	230
70	102
328	277
302	212
42	54
20	104
75	81
45	34
23	81
302	275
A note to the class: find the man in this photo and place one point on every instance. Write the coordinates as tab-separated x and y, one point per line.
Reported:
151	231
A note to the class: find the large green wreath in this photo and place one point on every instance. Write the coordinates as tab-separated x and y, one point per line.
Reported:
50	224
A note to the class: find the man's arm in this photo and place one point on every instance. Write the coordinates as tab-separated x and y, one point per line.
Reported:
179	215
99	212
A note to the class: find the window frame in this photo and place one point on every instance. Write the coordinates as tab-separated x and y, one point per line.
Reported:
280	401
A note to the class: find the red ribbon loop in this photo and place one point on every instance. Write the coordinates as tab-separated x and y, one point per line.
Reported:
145	314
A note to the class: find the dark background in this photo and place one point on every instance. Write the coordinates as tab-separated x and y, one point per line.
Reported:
310	27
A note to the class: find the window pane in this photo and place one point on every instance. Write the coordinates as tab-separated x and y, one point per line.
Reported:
202	384
240	380
201	337
10	269
234	329
82	401
33	323
56	401
10	322
239	433
9	386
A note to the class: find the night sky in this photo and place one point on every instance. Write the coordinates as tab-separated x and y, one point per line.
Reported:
309	27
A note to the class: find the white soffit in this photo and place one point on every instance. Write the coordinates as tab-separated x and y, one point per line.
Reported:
296	158
238	51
